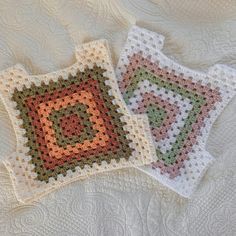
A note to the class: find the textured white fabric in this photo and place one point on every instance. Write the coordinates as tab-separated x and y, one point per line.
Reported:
41	35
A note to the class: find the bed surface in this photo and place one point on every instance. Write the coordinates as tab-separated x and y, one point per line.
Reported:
42	35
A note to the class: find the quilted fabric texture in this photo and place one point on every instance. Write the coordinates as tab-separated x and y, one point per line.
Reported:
70	123
41	35
181	105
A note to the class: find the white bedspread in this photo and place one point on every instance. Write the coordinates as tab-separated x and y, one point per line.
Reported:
41	35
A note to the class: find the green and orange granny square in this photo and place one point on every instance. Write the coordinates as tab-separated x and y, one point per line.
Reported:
70	124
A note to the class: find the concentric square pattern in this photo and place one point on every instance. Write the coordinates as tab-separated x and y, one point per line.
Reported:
176	107
71	122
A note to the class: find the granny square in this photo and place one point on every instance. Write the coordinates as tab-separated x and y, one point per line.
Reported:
181	105
71	123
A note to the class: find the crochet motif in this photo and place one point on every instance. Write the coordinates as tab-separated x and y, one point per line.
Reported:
71	123
181	105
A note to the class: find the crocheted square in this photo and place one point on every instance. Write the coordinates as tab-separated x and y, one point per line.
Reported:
181	105
71	123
